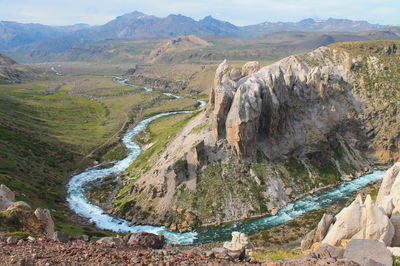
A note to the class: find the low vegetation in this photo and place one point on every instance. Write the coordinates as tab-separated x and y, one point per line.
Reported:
54	126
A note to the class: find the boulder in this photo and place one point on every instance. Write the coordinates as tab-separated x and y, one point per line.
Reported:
250	68
110	241
235	74
46	222
147	240
349	222
361	221
327	251
12	240
387	182
395	194
378	225
7	197
238	243
61	237
395	251
366	251
220	253
395	219
323	227
387	205
308	240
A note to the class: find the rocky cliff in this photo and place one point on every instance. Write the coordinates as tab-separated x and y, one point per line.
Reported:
270	135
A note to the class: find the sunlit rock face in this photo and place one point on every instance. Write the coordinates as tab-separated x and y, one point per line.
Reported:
290	106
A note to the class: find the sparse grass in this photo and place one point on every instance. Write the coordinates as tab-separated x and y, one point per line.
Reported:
325	173
48	126
160	132
278	254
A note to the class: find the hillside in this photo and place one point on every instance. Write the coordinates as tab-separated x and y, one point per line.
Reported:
178	44
53	126
270	135
13	34
12	72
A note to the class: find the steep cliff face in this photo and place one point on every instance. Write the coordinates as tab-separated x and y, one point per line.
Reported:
287	108
270	135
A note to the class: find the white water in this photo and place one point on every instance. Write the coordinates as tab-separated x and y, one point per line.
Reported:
79	203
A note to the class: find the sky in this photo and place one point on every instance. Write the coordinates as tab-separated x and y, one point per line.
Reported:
238	12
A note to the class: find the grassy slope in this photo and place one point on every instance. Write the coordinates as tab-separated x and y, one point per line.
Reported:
378	84
47	127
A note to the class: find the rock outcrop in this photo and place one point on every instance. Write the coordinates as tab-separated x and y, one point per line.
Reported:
250	68
362	220
46	222
19	216
387	185
147	240
7	197
263	103
268	136
323	227
238	243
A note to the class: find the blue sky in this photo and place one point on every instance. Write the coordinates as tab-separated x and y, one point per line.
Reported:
239	12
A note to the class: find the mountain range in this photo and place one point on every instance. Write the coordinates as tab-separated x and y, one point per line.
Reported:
43	39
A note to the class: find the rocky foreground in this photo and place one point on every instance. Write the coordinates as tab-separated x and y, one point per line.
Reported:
49	252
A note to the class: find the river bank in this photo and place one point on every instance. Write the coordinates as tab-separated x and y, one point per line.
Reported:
80	204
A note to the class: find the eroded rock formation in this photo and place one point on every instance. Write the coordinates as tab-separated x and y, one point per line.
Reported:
362	220
267	137
287	105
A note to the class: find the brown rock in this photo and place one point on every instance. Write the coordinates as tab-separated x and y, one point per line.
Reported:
12	240
173	227
343	243
110	241
308	241
44	217
323	227
147	240
327	251
250	68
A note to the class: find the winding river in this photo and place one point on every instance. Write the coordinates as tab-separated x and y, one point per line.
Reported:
80	204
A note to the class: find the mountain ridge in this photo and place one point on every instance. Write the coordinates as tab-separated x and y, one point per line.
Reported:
136	25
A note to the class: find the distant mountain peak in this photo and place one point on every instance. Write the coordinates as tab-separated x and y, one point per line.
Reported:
209	17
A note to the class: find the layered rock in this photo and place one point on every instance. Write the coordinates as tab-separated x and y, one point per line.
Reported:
289	104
